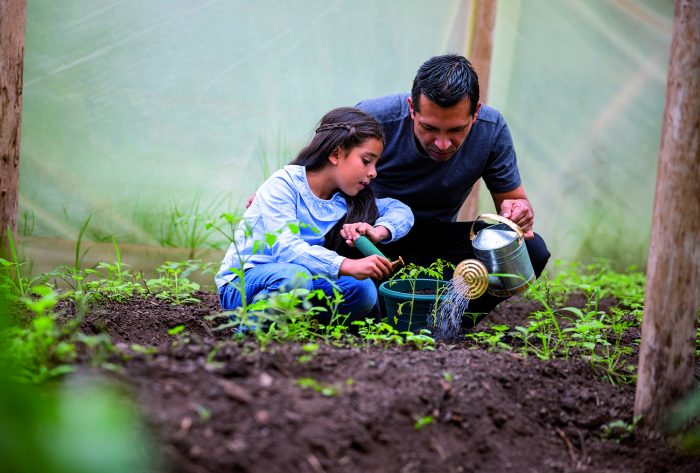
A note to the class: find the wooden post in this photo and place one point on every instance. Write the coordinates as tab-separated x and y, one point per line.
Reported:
480	57
666	357
12	24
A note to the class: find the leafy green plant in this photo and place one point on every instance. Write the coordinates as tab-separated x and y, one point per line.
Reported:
80	292
383	334
619	430
173	284
310	350
116	283
11	278
492	340
189	228
327	390
43	349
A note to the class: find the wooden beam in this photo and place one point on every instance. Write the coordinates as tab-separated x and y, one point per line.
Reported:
667	353
480	57
12	26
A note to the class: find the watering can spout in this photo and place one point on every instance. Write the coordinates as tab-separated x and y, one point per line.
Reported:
471	278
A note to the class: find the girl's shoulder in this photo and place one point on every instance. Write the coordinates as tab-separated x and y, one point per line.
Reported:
290	174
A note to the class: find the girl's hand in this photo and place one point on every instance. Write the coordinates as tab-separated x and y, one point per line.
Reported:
374	267
351	231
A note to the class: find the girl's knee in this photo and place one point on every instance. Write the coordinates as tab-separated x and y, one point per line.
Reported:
361	297
292	276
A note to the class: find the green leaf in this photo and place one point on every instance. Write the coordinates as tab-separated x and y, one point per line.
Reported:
176	330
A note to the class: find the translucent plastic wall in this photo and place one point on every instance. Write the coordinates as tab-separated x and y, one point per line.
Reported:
582	86
135	111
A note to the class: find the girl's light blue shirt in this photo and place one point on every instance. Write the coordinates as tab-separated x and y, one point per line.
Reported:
287	198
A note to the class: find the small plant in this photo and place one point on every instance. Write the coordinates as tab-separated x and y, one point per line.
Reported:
619	430
117	282
189	228
43	349
493	340
310	350
80	292
423	422
11	278
173	284
327	390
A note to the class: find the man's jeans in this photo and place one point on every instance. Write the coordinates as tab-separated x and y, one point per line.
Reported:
359	297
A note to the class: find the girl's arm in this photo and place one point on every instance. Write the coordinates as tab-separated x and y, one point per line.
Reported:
395	216
278	209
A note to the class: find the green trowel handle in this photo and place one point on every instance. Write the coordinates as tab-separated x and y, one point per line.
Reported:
366	247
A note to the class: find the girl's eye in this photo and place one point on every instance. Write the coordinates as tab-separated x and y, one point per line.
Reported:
366	161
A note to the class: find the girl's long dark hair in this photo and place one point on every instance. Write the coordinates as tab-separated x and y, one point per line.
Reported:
343	127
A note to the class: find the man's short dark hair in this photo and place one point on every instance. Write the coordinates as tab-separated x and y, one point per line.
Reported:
446	80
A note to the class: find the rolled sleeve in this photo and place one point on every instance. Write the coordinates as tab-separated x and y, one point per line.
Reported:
395	216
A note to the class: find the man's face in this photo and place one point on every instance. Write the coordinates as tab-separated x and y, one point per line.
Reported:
441	130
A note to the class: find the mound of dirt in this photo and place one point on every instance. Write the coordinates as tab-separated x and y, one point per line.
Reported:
455	409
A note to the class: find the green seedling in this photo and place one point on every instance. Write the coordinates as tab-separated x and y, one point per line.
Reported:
116	283
327	390
491	340
310	350
619	430
173	284
422	422
203	413
11	279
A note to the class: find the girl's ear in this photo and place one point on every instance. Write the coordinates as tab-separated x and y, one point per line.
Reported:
335	156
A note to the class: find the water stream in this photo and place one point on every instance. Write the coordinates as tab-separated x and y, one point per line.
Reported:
447	322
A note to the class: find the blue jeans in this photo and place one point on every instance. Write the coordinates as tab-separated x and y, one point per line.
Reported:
359	297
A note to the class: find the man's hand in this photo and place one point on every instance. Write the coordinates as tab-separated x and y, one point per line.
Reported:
373	266
519	211
351	231
250	201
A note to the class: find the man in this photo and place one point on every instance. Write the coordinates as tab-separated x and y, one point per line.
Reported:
439	141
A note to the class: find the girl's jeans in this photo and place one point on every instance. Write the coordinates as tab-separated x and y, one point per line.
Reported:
359	297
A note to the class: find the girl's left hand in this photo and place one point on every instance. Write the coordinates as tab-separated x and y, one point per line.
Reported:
351	231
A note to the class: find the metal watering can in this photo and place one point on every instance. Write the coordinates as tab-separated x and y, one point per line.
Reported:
502	266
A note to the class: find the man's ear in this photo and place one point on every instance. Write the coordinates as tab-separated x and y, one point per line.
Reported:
410	107
476	113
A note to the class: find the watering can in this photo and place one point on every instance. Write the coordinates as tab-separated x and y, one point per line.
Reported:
502	266
367	248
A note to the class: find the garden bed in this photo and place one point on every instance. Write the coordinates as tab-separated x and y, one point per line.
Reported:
368	408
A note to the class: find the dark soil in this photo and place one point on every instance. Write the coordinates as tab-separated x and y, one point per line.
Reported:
493	412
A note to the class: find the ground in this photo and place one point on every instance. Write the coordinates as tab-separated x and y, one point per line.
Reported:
399	409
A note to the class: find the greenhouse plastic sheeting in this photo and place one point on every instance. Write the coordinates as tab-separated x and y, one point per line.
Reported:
135	111
139	113
582	86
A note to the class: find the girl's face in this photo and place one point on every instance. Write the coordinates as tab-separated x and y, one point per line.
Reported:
356	167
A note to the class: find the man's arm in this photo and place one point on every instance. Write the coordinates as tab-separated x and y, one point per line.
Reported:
515	206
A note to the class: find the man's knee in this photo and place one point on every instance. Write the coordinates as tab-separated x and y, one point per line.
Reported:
539	254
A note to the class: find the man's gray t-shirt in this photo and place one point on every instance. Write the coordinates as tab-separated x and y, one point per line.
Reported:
436	191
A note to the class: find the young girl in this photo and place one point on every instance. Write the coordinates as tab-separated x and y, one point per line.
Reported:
326	189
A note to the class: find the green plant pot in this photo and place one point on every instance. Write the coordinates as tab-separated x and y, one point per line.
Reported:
406	310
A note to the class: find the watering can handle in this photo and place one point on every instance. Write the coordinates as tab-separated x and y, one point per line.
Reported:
499	219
